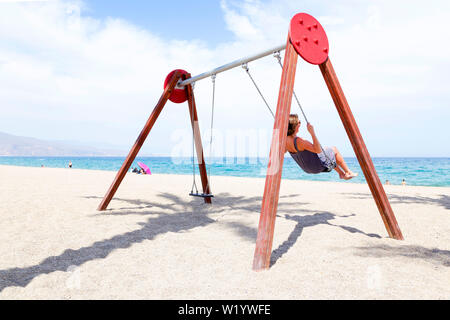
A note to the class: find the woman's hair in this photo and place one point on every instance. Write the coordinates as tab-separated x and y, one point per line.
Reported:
293	122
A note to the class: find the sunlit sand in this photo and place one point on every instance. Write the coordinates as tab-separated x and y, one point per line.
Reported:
156	242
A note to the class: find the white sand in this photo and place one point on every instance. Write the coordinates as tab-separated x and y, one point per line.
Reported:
156	242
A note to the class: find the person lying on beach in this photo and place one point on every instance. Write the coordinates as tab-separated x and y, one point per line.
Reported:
310	156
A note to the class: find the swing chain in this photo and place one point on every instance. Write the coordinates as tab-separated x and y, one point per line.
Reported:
245	67
194	184
277	55
213	79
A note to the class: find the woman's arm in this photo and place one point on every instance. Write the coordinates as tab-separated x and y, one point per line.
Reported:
306	145
316	143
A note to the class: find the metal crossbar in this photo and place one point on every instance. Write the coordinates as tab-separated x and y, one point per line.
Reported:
229	66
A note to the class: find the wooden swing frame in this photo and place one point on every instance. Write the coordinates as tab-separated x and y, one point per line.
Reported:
270	199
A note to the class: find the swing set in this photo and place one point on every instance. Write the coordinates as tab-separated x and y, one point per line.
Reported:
308	39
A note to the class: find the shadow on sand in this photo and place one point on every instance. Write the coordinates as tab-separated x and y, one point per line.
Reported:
310	221
443	200
434	256
177	216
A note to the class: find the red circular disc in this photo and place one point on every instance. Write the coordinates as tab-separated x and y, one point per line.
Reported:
309	38
177	95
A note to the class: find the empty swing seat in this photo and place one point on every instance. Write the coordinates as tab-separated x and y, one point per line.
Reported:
201	195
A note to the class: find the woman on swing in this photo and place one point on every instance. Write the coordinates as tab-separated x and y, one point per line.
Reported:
310	156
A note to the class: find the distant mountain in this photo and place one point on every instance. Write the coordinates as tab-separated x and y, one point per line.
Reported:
11	145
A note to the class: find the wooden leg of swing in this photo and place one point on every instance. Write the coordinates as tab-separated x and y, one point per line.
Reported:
198	141
360	150
139	142
269	205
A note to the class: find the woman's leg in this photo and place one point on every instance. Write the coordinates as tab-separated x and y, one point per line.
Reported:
340	172
348	174
340	160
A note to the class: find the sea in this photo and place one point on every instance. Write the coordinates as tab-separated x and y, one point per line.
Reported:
415	171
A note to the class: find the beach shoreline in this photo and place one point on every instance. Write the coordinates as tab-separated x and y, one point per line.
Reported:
232	176
156	242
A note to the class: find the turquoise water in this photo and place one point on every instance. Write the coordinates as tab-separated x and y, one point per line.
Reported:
415	171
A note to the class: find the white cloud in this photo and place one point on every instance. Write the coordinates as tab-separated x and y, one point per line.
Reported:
73	77
16	1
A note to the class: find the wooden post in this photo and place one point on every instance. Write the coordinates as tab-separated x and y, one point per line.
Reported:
198	140
139	142
272	187
360	150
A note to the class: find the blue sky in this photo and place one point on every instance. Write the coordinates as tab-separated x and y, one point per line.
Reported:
91	72
203	19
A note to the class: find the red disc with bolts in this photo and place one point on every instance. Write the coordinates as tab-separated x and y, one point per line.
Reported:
177	95
309	38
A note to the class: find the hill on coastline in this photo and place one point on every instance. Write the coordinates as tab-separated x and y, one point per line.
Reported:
11	145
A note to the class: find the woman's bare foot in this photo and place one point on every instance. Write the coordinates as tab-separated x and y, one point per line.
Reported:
341	175
349	175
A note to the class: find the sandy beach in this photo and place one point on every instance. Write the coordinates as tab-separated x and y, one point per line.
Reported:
156	242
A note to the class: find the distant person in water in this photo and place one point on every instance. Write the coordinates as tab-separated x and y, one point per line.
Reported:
310	156
403	182
387	182
70	164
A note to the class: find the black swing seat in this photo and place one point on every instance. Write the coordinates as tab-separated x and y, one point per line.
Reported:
201	195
